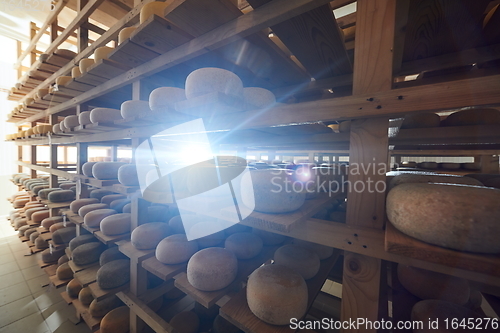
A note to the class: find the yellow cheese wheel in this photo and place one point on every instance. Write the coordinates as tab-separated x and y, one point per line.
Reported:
105	115
75	72
42	92
29	132
130	109
63	80
116	321
84	64
102	307
102	53
44	129
64	272
73	288
153	8
85	296
125	34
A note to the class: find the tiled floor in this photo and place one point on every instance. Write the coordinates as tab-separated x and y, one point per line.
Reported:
27	303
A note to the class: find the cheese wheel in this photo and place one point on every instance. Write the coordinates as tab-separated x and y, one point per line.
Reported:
88	253
276	294
152	8
85	296
99	193
71	121
93	219
37	217
64	272
102	53
23	229
48	257
244	245
473	117
84	210
106	170
176	225
127	175
63	80
87	167
104	115
269	238
185	322
273	192
29	132
61	125
423	211
131	109
166	97
34	236
127	208
80	240
125	34
432	285
175	249
102	307
301	259
208	80
111	254
107	199
322	251
64	235
212	269
62	260
56	128
41	243
119	204
44	193
259	97
116	321
68	54
49	221
60	225
113	274
29	212
422	177
19	203
79	203
67	185
75	72
44	129
84	65
421	120
84	118
28	232
73	288
61	196
147	236
36	189
116	224
19	222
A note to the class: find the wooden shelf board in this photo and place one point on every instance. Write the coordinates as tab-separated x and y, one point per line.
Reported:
77	268
98	183
50	270
108	69
164	272
42	264
87	275
24	239
75	85
68	92
89	78
74	217
100	294
131	54
46	236
30	244
130	251
89	229
42	230
57	246
398	243
66	297
57	282
110	239
237	312
92	322
58	204
122	189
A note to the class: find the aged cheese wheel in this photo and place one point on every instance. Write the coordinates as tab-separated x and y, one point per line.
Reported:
407	177
20	222
113	274
49	221
272	192
127	175
113	253
212	269
259	97
276	294
61	196
56	128
41	243
322	251
29	212
432	285
64	272
102	307
125	34
84	64
208	80
147	236
75	72
421	120
23	229
28	232
88	253
104	115
93	219
473	117
107	199
301	259
19	203
61	125
131	109
68	54
63	80
38	217
175	249
119	204
102	53
60	225
116	224
269	238
79	203
38	188
44	193
166	97
116	321
67	185
73	288
87	167
71	121
84	210
80	240
185	322
244	245
84	118
106	170
34	236
459	217
99	193
64	235
85	296
152	8
127	208
62	260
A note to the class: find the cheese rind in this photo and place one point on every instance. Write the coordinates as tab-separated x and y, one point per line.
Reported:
208	80
106	170
84	210
212	269
104	115
147	236
93	219
116	224
175	249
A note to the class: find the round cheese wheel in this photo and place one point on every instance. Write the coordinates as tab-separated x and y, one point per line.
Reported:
175	249
259	97
34	236
63	80
185	322
127	175
125	34
116	321
29	132
423	211
209	80
84	210
212	269
19	222
42	92
19	203
60	225
84	118
99	193
67	185
322	251
422	177
75	72
432	285
37	217
473	117
113	253
64	272
38	188
68	54
85	296
106	170
104	115
87	167
119	204
29	212
421	120
44	193
56	128
84	65
49	221
276	293
61	125
79	203
244	245
102	307
62	260
88	253
152	8
269	238
80	240
28	232
166	97
300	259
273	192
61	196
147	236
93	219
127	208
73	288
102	53
176	225
113	274
131	109
41	243
23	229
64	235
116	224
107	199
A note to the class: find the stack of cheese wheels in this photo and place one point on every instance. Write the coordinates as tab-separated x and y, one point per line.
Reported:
276	294
106	170
421	120
212	269
301	259
209	80
131	109
166	97
104	115
423	211
84	65
273	192
473	117
258	97
175	249
125	34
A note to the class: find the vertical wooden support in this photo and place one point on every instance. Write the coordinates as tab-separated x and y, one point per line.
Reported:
140	91
19	52
114	153
489	163
32	35
33	157
81	157
53	155
20	158
83	33
53	30
373	64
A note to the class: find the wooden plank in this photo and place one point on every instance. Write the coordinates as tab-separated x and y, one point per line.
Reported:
46	236
68	92
50	270
77	268
484	134
66	298
134	254
92	322
88	275
100	294
110	239
56	282
75	85
90	79
107	69
131	54
58	204
57	60
46	264
164	272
